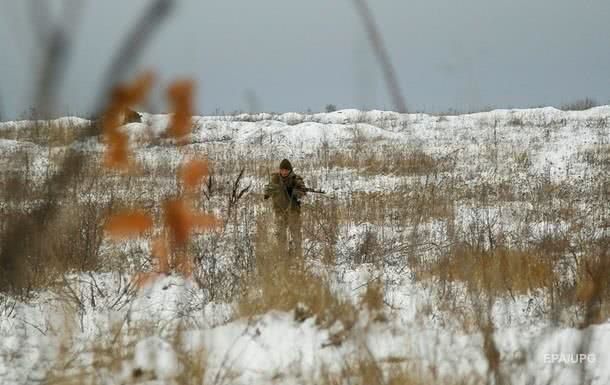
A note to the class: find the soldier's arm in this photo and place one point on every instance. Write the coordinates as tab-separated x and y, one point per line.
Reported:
299	187
272	187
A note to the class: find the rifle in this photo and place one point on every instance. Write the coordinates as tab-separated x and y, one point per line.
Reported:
309	189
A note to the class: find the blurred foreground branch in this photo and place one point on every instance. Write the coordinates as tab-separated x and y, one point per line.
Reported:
389	74
14	238
55	49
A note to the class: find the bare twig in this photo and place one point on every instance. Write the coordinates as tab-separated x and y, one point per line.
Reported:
236	193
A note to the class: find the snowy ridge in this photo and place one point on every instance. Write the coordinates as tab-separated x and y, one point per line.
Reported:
337	127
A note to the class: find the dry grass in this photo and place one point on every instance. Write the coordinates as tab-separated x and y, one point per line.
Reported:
370	159
363	368
112	357
285	285
45	133
496	271
598	156
68	241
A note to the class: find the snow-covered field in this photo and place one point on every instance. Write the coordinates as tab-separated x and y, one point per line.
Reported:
485	186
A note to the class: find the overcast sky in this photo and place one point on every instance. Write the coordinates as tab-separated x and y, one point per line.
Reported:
284	55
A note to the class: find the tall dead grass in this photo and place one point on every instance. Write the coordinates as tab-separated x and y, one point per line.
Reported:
280	283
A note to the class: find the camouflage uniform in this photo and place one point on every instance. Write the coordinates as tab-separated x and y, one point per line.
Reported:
285	193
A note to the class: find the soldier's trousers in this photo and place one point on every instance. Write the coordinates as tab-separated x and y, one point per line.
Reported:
289	221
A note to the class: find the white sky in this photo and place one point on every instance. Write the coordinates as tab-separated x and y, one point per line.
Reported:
278	55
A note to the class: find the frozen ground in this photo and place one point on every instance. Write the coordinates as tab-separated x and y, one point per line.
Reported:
49	333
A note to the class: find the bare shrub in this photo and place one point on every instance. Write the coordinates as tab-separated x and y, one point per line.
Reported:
330	108
368	250
580	105
515	121
321	226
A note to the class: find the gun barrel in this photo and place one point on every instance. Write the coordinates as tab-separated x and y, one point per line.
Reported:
315	191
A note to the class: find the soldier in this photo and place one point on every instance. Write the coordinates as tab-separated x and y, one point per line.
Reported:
285	189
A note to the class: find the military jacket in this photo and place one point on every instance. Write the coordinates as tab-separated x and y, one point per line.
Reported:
285	192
